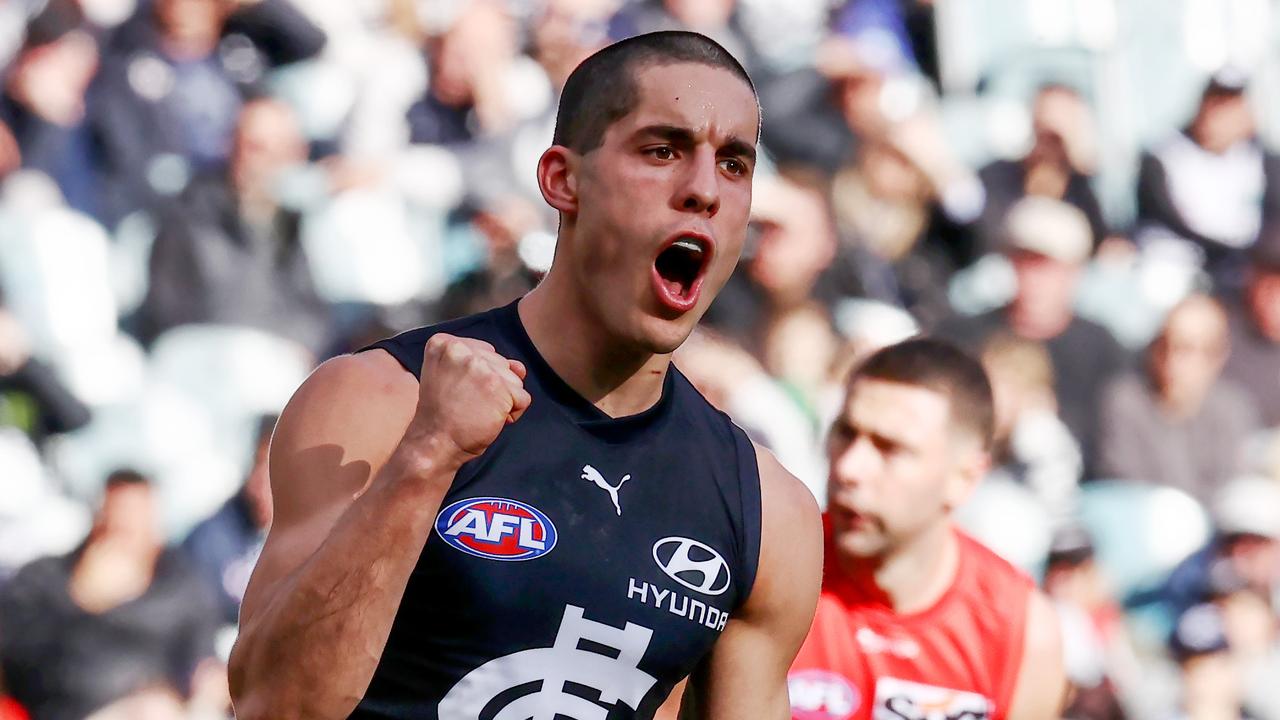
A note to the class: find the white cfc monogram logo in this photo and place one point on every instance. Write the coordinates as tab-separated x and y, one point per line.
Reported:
617	679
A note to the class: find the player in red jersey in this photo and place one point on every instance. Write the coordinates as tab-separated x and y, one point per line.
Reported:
917	621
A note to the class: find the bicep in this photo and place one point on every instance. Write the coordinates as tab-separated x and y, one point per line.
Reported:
332	437
1041	687
746	673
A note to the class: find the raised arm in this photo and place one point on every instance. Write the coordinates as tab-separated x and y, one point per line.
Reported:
746	674
360	461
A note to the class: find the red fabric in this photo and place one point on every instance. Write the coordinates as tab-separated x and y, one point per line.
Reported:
11	710
958	658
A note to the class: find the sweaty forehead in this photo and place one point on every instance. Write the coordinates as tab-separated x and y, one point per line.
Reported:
708	100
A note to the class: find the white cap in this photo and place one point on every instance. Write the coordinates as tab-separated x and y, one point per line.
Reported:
1249	505
1049	227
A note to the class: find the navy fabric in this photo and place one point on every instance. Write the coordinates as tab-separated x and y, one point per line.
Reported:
656	538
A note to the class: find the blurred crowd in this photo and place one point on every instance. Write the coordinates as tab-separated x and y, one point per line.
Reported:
202	199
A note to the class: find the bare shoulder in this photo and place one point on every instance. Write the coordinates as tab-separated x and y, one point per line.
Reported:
339	426
790	566
786	503
336	432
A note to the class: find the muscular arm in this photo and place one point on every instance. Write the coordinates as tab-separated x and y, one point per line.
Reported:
746	673
357	478
1042	682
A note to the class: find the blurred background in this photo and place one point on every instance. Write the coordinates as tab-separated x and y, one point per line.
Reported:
202	199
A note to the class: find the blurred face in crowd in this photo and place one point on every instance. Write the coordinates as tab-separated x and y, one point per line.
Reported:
129	515
1187	357
1263	298
1212	681
473	52
898	467
267	141
1046	290
1249	623
1224	120
795	244
51	79
673	174
567	32
701	14
1255	559
860	96
1063	126
800	347
192	25
1021	375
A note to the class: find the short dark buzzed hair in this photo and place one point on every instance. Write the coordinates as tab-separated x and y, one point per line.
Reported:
603	89
943	368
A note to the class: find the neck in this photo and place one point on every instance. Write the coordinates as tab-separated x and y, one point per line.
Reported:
617	377
1037	326
915	576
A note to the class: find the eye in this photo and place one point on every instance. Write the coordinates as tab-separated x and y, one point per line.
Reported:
734	166
662	152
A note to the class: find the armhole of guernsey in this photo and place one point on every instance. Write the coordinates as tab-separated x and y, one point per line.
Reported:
749	492
408	346
396	348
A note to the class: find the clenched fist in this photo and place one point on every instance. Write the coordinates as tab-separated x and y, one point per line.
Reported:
467	395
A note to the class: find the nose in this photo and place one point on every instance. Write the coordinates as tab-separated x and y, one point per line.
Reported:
699	189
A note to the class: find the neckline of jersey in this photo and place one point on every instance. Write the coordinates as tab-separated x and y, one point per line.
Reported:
581	411
848	587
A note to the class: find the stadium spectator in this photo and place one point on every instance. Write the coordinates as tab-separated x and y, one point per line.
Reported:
1059	165
229	251
566	32
1032	446
793	245
43	103
164	106
1099	655
1048	242
1179	424
475	91
717	19
504	275
1255	329
1205	183
1244	551
225	546
1212	685
119	614
32	397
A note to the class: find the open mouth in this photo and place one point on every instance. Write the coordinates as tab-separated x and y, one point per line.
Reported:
679	269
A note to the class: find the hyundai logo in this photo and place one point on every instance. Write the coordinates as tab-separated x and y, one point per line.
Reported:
692	564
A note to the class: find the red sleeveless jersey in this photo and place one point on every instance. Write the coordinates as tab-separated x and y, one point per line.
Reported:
957	660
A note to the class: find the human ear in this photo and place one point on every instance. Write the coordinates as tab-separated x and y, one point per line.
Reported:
969	468
558	178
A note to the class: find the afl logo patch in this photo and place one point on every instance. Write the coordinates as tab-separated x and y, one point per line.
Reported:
821	695
497	529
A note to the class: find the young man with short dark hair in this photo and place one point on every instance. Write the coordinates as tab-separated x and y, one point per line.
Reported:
542	518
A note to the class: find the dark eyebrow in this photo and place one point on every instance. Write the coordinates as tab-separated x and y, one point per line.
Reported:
671	133
677	135
741	148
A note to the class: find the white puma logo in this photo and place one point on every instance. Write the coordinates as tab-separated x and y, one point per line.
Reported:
590	473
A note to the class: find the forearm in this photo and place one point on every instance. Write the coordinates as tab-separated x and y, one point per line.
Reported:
311	650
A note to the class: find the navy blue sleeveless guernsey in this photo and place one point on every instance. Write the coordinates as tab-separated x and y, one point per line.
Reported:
582	565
